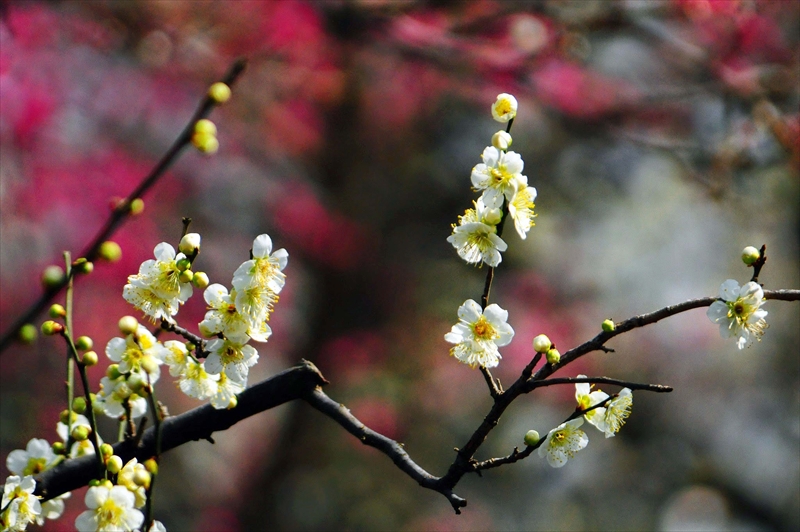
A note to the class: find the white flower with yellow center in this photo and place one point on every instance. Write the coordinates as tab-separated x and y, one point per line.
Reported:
156	290
54	508
479	333
109	509
115	395
587	399
225	395
505	108
739	313
38	456
20	506
499	176
126	478
177	357
196	382
616	412
563	442
232	356
521	210
223	317
139	352
258	281
79	448
475	237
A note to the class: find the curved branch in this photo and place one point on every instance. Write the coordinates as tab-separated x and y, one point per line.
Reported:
658	388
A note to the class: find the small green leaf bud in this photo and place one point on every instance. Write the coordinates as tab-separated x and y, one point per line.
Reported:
542	344
151	465
219	92
190	244
80	433
52	277
501	140
608	325
141	477
109	251
112	372
136	382
205	143
114	464
79	405
95	482
531	437
59	447
128	325
106	450
137	206
205	126
49	328
89	359
27	333
64	417
83	266
57	311
200	280
186	276
183	264
750	255
84	343
553	356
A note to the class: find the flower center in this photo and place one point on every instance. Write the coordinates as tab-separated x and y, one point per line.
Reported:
483	329
108	514
35	466
560	436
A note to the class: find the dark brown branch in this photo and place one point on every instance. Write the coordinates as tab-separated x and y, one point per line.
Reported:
122	212
494	386
658	388
200	344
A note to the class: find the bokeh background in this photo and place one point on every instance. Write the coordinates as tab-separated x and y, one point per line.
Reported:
662	136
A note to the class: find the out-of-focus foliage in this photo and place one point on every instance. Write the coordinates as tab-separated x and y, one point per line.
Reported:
662	137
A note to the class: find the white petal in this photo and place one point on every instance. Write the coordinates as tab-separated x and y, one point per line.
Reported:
262	246
470	311
717	312
164	252
729	290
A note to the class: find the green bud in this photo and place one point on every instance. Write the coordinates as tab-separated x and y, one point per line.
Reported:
553	356
114	464
95	482
186	276
106	484
190	244
233	403
183	264
27	334
80	433
89	359
109	251
106	450
84	343
542	344
150	365
128	325
200	280
205	143
141	477
83	266
49	328
79	405
64	417
608	325
501	140
112	372
750	255
219	92
59	447
151	465
136	382
57	311
52	277
531	438
137	206
205	126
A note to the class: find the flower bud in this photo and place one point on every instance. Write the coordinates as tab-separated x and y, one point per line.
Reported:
219	92
95	482
233	403
52	277
151	465
83	343
492	216
200	280
150	365
137	206
531	438
136	382
501	140
750	255
64	417
82	265
27	333
183	264
186	276
542	344
205	143
505	108
128	325
57	311
106	484
141	477
608	325
112	372
190	244
79	405
80	433
106	450
49	328
59	447
553	356
205	126
114	464
89	359
109	251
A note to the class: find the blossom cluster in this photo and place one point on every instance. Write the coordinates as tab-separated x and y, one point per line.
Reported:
738	312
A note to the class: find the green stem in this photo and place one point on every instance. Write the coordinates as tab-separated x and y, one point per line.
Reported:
70	361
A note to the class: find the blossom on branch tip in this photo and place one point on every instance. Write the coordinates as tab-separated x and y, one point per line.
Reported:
475	237
109	509
156	290
521	210
616	412
505	108
739	312
258	281
563	442
587	399
499	176
138	352
479	333
223	317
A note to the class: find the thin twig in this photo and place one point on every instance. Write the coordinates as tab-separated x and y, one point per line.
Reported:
658	388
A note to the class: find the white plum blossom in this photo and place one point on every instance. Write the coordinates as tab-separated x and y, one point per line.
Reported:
126	478
139	352
739	312
587	398
223	317
232	356
616	412
258	281
196	382
475	237
21	507
38	456
156	290
226	390
521	210
54	508
499	176
563	442
479	333
115	394
505	108
177	357
109	509
157	526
